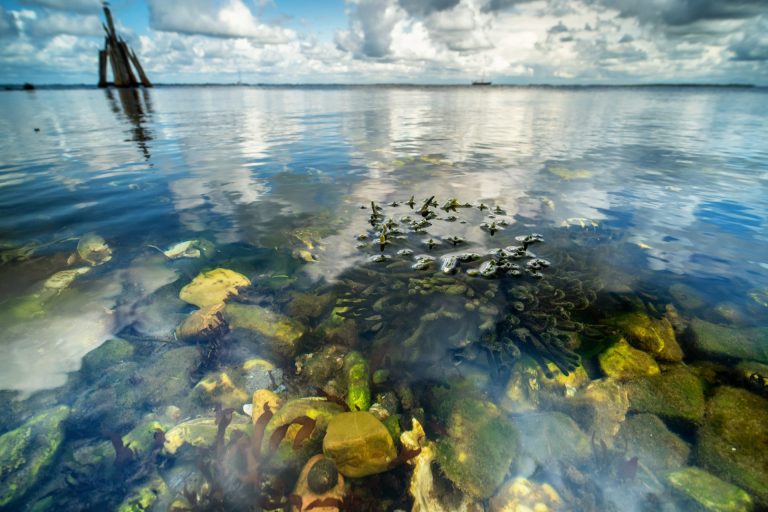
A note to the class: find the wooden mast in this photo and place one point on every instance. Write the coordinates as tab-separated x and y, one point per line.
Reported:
120	58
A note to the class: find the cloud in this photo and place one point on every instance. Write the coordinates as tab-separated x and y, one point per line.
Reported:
7	24
227	19
682	13
558	29
54	23
752	45
84	6
424	7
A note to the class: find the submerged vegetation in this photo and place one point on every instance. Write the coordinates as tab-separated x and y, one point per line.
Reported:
448	368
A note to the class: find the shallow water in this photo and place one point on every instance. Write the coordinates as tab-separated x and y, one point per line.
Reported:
649	196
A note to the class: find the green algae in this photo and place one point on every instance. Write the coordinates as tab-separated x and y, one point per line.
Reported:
709	492
358	382
676	395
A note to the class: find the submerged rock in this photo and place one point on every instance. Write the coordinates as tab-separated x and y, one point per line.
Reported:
656	336
733	441
623	362
27	451
219	388
319	482
551	437
600	408
143	497
648	438
109	353
320	410
522	495
94	249
281	333
202	432
720	341
359	444
709	492
213	287
64	278
201	323
358	382
479	447
676	395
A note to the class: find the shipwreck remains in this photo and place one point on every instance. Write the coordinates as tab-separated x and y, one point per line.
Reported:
120	58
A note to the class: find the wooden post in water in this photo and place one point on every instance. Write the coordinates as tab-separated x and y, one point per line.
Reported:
120	58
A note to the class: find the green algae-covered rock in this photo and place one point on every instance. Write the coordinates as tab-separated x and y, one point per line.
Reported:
318	409
718	340
623	362
142	438
655	336
600	408
220	388
109	353
213	287
676	395
709	492
359	444
143	497
202	432
648	438
167	377
480	445
28	450
550	437
281	332
733	441
358	382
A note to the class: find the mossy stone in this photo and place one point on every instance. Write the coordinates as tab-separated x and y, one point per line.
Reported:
281	333
28	450
322	476
623	362
721	341
202	432
358	381
201	323
359	444
733	441
676	395
213	287
551	437
318	409
219	388
655	336
709	492
480	445
143	497
107	354
648	438
167	377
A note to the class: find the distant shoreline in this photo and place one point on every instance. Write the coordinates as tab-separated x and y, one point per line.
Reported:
19	87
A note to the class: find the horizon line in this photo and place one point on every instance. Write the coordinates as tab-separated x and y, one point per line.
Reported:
15	86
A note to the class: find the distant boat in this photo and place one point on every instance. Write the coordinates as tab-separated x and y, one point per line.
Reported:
481	82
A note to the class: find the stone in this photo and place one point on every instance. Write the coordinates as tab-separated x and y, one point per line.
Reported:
676	395
201	323
529	387
315	408
258	373
263	397
522	495
213	287
480	445
107	354
281	333
317	368
202	432
600	408
732	443
648	438
27	451
359	444
218	388
304	487
143	497
167	377
655	336
358	381
550	437
623	362
720	341
687	297
709	492
142	438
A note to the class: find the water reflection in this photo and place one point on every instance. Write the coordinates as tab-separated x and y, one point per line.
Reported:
137	108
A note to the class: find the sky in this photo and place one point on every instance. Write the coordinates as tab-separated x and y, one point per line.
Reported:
394	41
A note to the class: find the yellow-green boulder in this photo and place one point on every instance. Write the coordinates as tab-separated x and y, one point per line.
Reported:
623	362
359	444
213	287
653	335
281	333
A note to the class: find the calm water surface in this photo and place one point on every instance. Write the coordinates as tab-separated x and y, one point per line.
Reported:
656	197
